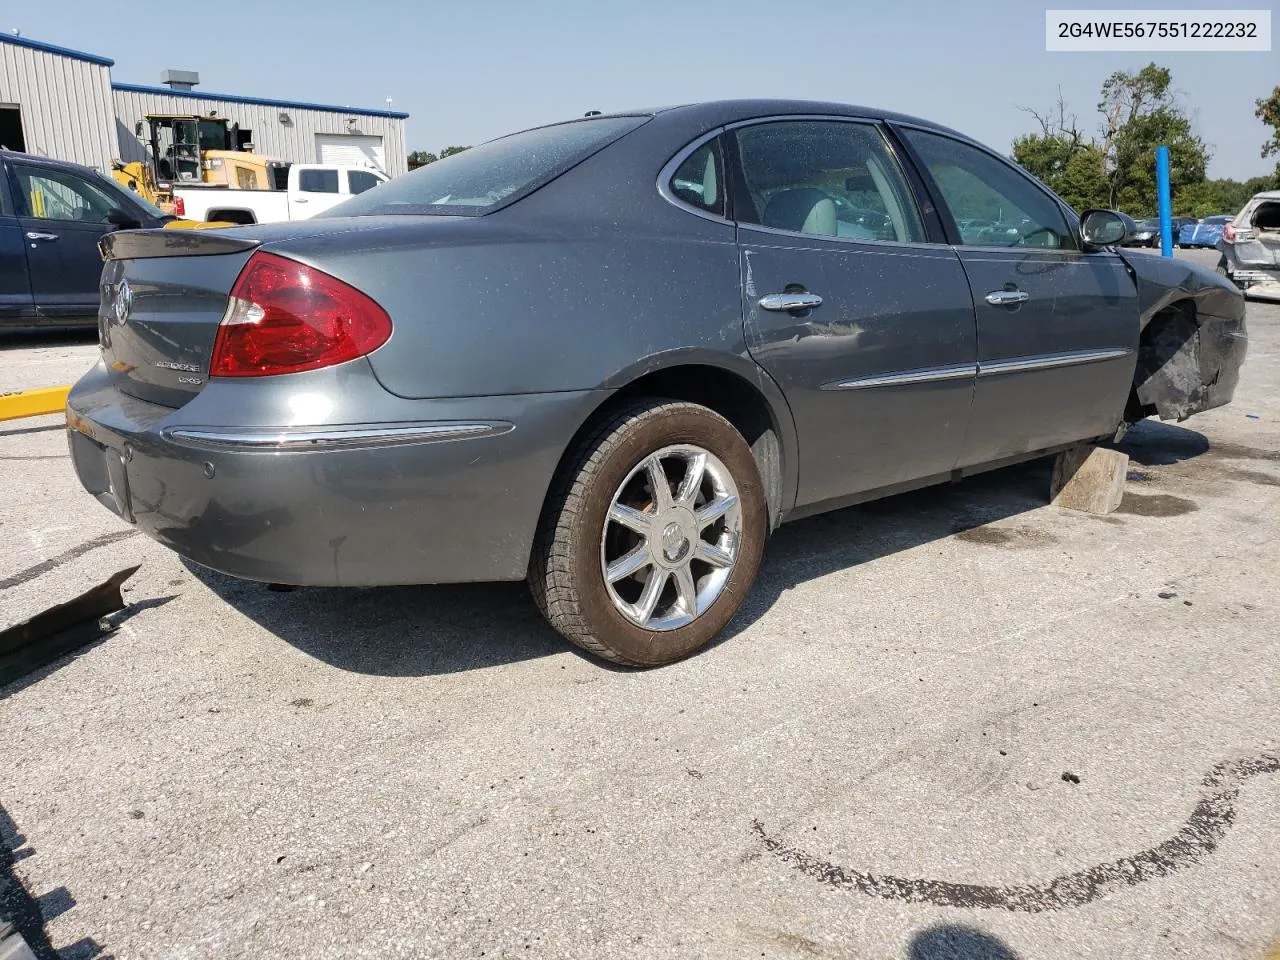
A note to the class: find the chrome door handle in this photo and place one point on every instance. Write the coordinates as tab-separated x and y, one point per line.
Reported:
299	199
37	235
783	302
1007	298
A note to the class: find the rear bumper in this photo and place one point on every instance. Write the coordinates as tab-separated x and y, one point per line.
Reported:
451	491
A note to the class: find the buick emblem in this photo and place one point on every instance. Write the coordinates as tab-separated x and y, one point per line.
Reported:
121	304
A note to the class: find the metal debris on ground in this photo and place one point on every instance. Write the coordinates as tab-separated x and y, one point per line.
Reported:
48	635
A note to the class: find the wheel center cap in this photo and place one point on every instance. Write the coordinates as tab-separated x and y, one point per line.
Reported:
675	545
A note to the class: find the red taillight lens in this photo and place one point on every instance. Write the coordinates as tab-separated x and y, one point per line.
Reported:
285	316
1229	233
179	207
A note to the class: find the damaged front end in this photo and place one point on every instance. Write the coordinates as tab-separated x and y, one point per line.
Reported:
1193	339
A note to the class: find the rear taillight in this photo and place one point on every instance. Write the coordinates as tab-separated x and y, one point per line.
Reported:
1229	233
179	207
285	317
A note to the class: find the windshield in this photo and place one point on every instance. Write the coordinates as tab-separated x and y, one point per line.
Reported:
116	189
493	174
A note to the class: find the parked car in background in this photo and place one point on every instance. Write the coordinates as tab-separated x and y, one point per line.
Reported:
52	214
310	190
1205	233
1250	247
1147	234
612	355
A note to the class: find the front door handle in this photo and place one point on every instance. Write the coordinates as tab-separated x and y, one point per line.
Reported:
783	302
299	199
37	235
1007	298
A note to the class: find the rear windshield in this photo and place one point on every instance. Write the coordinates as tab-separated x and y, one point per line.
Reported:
483	178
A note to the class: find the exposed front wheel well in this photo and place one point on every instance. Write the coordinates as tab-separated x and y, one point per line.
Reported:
1160	345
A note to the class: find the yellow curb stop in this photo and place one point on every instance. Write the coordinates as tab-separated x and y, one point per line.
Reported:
33	403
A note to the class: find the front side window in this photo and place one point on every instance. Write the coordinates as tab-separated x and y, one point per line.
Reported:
318	181
361	180
699	180
992	204
825	177
476	181
58	195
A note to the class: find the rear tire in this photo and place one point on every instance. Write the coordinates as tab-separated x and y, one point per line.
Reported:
651	598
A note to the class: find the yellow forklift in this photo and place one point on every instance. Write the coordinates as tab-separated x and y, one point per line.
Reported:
197	150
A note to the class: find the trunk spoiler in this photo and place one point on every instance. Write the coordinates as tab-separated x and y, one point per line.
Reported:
141	244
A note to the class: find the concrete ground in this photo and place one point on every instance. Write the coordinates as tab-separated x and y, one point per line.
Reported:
954	724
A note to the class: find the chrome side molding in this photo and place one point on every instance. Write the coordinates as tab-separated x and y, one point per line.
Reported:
955	371
282	440
989	368
994	368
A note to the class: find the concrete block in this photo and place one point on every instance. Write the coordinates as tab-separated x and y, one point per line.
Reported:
1090	479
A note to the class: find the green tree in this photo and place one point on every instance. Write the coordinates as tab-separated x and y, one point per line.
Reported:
1083	183
420	158
1062	157
1269	113
1141	112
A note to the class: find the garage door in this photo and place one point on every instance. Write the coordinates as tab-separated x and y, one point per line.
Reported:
348	149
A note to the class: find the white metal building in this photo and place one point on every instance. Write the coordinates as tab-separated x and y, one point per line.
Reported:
293	131
62	103
56	102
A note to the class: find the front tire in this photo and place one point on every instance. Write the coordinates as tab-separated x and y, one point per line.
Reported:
653	534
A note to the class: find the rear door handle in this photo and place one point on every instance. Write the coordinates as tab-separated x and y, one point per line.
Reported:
1007	298
37	235
783	302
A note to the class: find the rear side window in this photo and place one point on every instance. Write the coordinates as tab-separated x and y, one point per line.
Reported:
830	178
491	175
699	181
318	181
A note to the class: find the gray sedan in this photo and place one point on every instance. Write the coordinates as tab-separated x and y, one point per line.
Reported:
611	355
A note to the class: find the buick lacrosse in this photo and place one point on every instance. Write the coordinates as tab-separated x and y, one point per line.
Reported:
612	355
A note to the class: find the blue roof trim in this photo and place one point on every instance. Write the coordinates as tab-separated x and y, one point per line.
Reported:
262	101
62	51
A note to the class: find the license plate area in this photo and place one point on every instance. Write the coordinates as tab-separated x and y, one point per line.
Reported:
103	473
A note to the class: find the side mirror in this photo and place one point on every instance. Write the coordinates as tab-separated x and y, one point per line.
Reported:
123	220
137	129
1105	228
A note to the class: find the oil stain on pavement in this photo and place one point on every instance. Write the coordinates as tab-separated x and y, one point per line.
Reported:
1198	837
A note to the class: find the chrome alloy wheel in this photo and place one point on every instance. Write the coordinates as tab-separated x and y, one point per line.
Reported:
671	537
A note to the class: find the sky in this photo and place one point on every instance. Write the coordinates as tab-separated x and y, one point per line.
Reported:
470	70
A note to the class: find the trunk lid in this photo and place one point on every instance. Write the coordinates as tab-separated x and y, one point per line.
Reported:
164	292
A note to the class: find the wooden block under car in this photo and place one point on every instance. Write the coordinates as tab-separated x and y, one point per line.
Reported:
1090	479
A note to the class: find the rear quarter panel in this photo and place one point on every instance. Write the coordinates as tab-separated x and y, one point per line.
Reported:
487	307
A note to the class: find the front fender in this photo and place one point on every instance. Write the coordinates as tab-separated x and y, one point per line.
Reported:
1162	282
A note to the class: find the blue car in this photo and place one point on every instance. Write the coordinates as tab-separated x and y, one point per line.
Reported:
1206	233
52	215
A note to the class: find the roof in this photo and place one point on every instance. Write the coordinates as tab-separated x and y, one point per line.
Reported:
262	101
732	111
39	161
60	51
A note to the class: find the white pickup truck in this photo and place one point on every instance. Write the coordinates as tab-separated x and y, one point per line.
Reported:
312	189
